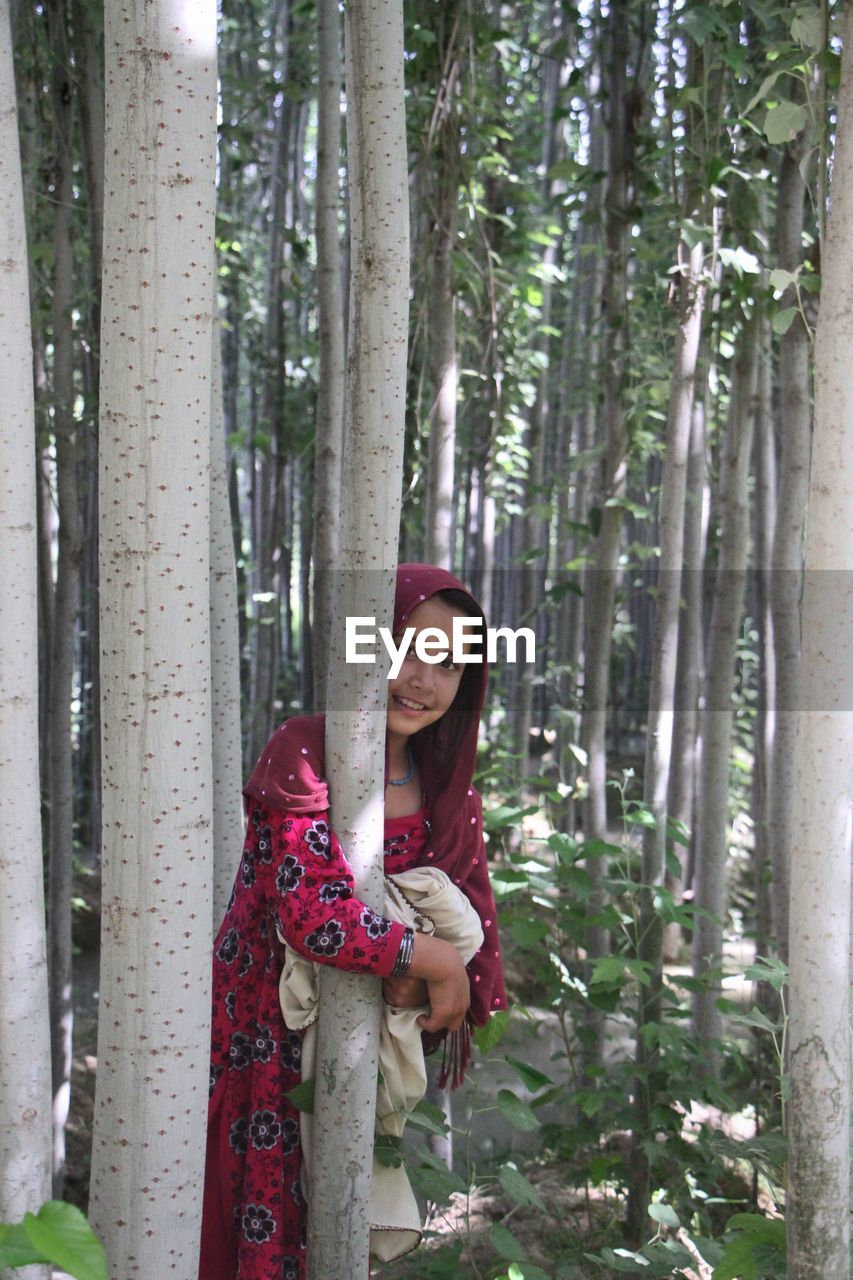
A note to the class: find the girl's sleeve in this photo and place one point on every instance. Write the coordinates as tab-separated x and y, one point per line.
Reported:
310	891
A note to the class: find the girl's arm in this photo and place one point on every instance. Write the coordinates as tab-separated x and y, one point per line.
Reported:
448	990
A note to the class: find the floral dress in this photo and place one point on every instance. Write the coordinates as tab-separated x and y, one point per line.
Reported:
293	881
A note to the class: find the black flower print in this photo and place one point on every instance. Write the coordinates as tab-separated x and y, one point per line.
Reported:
290	1269
245	962
289	1135
216	1070
229	947
258	1223
377	926
240	1052
291	1051
264	1130
247	871
296	1192
231	900
264	846
290	873
230	997
333	890
318	839
327	940
237	1135
263	1045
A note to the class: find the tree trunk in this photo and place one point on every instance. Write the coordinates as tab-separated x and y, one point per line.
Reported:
441	465
673	490
355	725
795	421
25	1160
224	662
331	349
723	632
154	1021
819	1148
67	593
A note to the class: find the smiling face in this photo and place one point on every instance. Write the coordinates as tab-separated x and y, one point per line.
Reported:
423	691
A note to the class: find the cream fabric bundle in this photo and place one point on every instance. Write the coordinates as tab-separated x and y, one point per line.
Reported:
426	900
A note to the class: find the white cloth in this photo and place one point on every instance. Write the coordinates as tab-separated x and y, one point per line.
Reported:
425	899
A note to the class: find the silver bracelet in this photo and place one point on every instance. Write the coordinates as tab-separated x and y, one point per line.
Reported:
404	955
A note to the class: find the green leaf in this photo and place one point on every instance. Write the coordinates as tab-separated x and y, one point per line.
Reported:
302	1096
387	1150
740	1260
528	932
429	1118
526	1271
517	1112
623	1259
505	1243
782	320
16	1249
665	1215
610	971
492	1032
768	970
528	1075
782	280
807	28
784	121
64	1237
755	1018
435	1181
518	1188
765	87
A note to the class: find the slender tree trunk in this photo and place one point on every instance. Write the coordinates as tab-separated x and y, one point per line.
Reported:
441	465
153	1029
224	662
329	438
795	421
723	635
818	1214
659	734
600	579
67	594
355	725
25	1143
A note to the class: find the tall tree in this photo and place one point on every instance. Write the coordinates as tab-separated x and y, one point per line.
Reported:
348	1042
331	351
822	847
723	632
25	1041
153	1027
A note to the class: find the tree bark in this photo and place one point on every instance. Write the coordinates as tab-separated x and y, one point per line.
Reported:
25	1098
795	422
819	1148
331	353
723	632
355	724
153	1028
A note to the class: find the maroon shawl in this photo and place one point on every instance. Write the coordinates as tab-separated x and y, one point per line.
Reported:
292	778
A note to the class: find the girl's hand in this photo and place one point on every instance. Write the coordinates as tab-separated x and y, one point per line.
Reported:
405	993
448	991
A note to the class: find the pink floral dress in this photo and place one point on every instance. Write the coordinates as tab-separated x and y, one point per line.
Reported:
293	881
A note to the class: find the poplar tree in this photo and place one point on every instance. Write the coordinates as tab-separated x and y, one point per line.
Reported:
153	1028
25	1039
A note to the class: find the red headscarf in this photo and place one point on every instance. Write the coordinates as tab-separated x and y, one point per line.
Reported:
292	777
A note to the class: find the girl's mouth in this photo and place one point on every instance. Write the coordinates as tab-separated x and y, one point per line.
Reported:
409	705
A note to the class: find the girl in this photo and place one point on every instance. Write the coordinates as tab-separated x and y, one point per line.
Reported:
294	883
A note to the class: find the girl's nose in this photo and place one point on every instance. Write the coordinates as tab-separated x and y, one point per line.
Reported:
424	674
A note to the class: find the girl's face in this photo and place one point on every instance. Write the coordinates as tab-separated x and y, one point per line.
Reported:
423	691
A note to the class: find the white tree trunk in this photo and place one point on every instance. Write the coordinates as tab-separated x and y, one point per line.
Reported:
723	632
224	662
329	438
822	829
795	429
153	1029
355	725
25	1160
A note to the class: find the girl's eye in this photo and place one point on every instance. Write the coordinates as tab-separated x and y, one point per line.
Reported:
449	664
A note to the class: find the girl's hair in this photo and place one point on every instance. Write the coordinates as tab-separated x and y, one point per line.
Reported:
451	729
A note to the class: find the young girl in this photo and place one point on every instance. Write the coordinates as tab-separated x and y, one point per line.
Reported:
294	883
